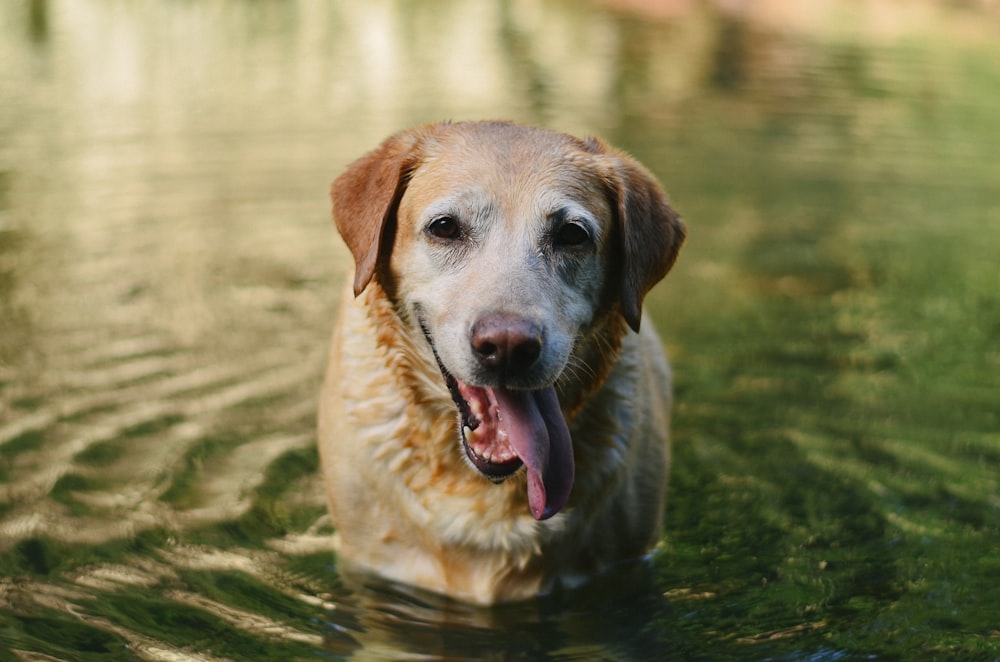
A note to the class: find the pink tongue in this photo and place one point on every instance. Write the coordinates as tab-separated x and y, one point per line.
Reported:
537	431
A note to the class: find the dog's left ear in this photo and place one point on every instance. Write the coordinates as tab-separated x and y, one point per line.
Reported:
365	198
651	231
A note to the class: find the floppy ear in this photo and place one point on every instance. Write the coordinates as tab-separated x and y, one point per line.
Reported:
651	234
365	198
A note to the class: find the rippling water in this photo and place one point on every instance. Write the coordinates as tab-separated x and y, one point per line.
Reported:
168	272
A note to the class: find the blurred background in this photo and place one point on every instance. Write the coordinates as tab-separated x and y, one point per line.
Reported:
169	272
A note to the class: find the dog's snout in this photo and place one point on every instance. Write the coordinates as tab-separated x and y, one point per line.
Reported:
506	344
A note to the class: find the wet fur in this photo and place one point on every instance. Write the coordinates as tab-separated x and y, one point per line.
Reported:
405	502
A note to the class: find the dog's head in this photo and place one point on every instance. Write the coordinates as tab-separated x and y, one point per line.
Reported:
502	244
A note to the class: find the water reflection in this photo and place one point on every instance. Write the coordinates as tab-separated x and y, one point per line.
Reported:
610	620
167	280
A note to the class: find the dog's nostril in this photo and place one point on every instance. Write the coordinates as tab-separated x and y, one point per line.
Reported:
506	343
524	353
487	351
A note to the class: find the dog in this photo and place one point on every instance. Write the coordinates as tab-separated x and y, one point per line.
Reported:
493	423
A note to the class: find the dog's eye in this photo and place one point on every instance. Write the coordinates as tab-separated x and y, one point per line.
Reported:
571	234
444	227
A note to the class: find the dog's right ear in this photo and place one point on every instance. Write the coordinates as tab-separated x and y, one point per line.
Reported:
365	198
651	231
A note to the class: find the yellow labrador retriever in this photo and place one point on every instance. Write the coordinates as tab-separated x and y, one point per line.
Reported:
493	422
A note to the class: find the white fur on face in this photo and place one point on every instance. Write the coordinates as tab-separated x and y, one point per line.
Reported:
505	260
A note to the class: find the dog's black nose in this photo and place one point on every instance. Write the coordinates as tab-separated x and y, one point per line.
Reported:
506	344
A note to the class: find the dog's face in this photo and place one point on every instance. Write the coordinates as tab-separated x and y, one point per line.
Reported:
501	254
501	244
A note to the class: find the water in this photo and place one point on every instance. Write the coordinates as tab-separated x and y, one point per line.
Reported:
168	274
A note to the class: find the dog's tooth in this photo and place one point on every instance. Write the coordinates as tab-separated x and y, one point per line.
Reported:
477	408
471	436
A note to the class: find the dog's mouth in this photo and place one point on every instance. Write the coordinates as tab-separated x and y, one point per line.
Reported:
503	429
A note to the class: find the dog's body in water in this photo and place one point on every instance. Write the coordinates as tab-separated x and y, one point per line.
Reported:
494	420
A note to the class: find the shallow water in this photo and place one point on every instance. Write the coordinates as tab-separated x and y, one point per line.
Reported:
168	272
